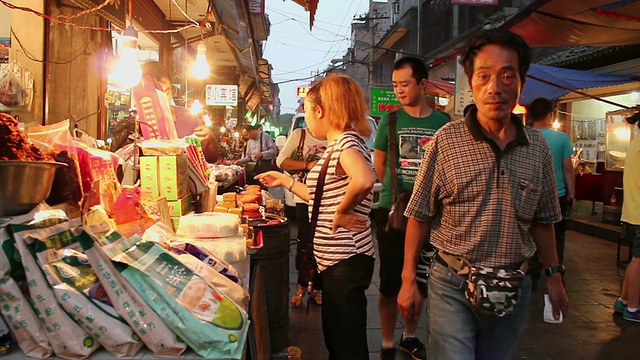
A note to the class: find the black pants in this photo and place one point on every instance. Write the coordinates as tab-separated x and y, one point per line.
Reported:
305	262
561	228
344	308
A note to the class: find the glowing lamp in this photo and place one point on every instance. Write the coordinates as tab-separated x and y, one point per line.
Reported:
236	134
519	109
200	68
127	72
556	124
207	120
222	129
622	132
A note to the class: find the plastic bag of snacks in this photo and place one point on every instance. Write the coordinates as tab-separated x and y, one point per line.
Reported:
210	322
129	304
67	338
16	86
56	141
71	278
14	305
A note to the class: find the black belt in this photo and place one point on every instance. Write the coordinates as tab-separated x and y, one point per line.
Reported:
439	259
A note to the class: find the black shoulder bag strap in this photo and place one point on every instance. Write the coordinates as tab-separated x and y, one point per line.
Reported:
393	152
300	149
317	197
261	142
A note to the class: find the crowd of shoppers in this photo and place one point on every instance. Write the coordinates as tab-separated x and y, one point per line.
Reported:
486	194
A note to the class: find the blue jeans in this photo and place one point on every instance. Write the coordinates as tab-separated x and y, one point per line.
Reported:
456	331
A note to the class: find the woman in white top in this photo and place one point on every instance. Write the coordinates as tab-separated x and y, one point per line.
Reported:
299	154
343	248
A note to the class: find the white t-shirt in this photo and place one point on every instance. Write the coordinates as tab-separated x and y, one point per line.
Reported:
312	150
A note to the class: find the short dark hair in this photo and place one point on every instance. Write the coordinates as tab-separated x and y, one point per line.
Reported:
539	109
418	68
635	118
156	70
248	127
502	38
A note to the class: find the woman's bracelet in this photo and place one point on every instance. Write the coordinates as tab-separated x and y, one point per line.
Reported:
293	182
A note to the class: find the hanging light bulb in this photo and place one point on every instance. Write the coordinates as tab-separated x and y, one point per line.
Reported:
200	68
556	124
196	107
222	129
127	72
236	134
207	120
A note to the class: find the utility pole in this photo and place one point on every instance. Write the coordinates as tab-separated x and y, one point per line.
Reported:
372	31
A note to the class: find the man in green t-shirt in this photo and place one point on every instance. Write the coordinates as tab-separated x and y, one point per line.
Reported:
415	125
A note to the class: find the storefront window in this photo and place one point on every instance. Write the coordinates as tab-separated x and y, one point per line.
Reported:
592	132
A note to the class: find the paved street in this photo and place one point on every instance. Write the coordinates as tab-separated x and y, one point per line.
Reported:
590	331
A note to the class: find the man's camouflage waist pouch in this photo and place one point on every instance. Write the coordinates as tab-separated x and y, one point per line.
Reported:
494	290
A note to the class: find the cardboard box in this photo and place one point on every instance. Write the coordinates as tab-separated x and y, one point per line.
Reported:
149	184
166	176
173	176
180	207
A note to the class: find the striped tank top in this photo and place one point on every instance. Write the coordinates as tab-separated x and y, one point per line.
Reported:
329	249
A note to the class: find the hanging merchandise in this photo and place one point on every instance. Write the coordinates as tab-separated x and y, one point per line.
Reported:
16	87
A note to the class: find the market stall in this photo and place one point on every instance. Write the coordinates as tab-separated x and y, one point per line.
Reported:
173	278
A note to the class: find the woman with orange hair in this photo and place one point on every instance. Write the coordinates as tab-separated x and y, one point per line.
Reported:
335	108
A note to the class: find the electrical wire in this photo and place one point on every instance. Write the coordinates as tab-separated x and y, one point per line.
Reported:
183	12
84	12
81	26
32	57
286	13
336	36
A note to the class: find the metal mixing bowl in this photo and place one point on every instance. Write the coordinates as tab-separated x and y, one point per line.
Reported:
24	184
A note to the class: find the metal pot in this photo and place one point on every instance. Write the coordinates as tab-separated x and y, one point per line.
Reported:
24	184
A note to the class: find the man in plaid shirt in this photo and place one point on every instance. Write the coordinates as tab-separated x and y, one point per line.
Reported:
485	192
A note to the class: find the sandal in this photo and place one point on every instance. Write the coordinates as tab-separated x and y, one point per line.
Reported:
297	298
316	295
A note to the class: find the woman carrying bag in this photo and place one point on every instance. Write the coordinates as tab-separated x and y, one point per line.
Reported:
339	191
300	153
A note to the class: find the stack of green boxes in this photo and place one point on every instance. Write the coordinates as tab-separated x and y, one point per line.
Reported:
167	176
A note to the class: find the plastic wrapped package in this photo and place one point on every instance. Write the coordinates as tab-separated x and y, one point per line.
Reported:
130	305
67	338
100	165
212	224
212	324
71	277
56	140
14	305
